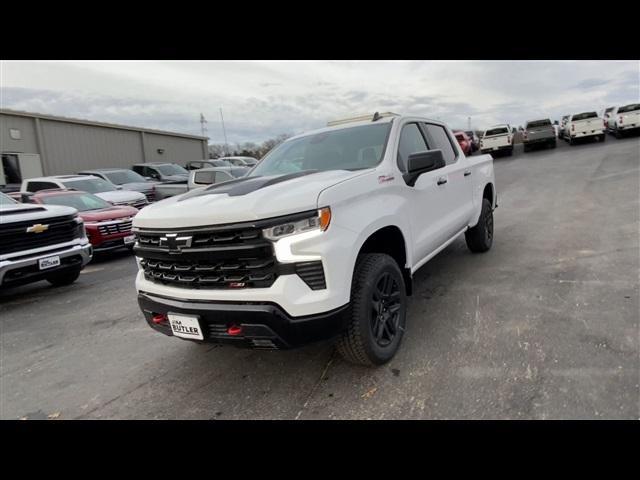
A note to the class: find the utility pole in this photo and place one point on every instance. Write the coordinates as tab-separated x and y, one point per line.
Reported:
203	127
224	132
468	123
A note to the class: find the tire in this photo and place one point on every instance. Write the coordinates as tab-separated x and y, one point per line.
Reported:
602	137
525	148
510	152
480	238
373	339
64	278
571	142
617	133
553	144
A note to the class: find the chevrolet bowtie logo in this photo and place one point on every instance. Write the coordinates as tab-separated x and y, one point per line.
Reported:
37	228
174	242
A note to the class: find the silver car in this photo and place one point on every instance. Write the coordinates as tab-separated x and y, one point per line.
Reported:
125	179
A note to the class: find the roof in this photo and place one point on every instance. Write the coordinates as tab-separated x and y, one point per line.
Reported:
60	177
112	169
157	163
20	113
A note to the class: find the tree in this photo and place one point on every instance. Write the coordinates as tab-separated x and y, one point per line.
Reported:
248	149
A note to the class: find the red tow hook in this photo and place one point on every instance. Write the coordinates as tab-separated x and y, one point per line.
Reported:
234	330
159	318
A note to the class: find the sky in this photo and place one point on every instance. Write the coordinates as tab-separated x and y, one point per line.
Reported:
262	99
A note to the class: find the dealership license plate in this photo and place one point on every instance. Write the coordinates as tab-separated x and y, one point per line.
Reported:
495	148
185	326
128	240
48	262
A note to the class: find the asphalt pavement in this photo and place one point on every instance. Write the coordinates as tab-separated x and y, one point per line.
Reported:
543	326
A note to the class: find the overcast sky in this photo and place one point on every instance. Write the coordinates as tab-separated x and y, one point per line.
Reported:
263	99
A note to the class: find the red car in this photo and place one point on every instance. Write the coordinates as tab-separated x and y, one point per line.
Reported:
108	227
464	141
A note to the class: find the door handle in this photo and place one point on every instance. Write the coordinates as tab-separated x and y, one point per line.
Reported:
467	173
442	180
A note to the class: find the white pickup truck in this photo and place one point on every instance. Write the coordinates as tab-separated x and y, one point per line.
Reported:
320	241
584	125
498	138
624	119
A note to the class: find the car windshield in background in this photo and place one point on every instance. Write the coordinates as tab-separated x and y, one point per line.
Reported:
238	172
345	149
171	169
539	123
496	131
80	201
91	185
629	108
6	200
121	177
221	163
584	116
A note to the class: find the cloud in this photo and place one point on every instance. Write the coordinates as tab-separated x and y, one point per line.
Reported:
266	98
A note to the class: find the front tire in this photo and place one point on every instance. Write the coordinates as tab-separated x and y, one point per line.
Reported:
64	278
480	238
377	314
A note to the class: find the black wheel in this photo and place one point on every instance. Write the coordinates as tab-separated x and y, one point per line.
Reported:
525	148
602	137
510	152
571	142
554	144
64	278
617	133
377	314
480	238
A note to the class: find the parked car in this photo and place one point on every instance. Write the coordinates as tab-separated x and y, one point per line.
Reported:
108	227
41	243
320	241
562	133
498	138
241	161
624	119
464	141
221	164
584	125
212	175
212	162
538	132
86	183
162	172
125	179
605	117
475	140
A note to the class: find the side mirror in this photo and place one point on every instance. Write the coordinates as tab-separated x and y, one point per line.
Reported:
422	162
25	197
118	187
148	179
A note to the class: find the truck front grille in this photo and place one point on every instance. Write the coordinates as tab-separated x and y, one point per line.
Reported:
14	237
213	258
109	228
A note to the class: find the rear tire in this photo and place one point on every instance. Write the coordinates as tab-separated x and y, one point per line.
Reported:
553	144
480	238
617	133
377	313
525	148
64	278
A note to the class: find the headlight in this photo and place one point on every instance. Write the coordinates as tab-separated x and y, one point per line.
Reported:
318	220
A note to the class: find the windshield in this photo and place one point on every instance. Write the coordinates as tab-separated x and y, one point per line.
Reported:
238	172
345	149
80	201
584	116
249	161
171	169
496	131
6	200
91	185
629	108
120	177
220	163
539	123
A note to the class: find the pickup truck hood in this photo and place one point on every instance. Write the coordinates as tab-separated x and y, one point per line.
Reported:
121	196
23	212
242	200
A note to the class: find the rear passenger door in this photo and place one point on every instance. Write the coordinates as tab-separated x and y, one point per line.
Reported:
456	185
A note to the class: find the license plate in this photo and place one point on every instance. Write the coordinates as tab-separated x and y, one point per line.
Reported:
48	262
128	240
185	326
494	148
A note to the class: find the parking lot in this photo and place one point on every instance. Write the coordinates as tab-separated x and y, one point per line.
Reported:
544	326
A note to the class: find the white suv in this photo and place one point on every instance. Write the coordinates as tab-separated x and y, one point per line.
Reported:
321	240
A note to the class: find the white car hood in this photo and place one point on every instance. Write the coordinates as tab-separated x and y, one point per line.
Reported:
197	208
121	196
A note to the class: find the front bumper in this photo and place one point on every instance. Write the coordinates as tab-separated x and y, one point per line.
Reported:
24	269
264	324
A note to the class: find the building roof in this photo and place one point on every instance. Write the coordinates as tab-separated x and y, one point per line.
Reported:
20	113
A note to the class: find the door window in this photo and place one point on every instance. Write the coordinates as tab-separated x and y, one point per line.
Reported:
411	141
440	140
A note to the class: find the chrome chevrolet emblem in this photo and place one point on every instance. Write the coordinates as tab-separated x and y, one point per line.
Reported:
37	228
173	242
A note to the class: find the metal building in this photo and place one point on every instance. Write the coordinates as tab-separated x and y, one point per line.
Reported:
33	144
